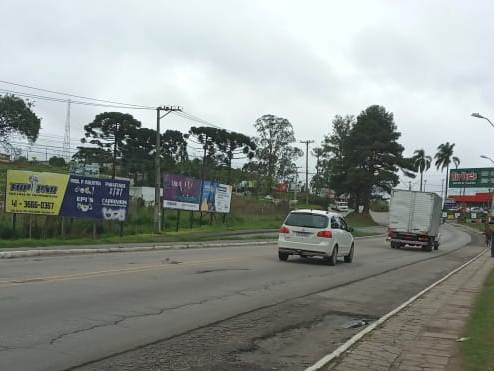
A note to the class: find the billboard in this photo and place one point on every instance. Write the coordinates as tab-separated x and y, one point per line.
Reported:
216	197
95	198
471	178
31	192
72	196
223	198
181	192
208	196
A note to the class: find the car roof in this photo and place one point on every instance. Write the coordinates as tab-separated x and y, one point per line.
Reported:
317	212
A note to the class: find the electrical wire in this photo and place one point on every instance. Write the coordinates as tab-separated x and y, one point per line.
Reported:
73	95
63	100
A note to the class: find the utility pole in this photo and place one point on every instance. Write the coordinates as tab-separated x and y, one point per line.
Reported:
409	185
66	140
157	155
307	142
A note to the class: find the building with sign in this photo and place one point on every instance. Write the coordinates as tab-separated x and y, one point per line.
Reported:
472	178
483	200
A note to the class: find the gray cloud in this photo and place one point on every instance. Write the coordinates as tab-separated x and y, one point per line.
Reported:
232	61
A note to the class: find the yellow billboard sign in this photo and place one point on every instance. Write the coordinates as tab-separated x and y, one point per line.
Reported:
32	192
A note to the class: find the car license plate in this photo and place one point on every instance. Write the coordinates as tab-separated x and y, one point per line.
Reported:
302	234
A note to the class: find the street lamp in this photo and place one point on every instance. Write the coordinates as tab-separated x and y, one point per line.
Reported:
479	116
487	158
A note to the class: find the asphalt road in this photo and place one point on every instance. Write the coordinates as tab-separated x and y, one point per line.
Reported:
204	309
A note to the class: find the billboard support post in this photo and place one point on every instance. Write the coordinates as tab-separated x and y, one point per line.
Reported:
30	226
62	227
163	218
191	221
14	221
178	220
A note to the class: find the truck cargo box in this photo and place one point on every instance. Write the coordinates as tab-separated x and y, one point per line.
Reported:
415	212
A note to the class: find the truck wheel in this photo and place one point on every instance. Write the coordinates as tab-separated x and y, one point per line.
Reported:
334	256
349	258
283	256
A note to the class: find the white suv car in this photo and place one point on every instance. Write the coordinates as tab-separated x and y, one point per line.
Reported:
316	233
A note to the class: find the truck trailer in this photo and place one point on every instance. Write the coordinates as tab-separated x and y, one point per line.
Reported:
414	219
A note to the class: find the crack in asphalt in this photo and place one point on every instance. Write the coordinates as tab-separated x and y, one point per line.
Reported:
123	318
221	270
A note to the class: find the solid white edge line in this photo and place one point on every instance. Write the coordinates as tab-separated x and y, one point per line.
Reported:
355	338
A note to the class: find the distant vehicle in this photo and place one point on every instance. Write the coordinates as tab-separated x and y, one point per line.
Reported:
341	205
476	209
414	219
311	233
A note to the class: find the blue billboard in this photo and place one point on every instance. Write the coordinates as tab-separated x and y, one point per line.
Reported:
96	198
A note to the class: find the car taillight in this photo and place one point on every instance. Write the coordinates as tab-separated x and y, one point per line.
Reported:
325	234
284	230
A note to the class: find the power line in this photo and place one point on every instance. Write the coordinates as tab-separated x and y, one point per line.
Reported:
63	100
73	95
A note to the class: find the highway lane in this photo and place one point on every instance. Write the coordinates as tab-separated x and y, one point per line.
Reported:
60	312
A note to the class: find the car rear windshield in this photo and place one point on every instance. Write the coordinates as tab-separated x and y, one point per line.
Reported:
307	220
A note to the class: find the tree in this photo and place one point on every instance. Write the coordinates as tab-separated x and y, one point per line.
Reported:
92	155
16	116
456	162
422	163
274	153
364	156
139	151
110	131
336	155
231	144
444	157
57	161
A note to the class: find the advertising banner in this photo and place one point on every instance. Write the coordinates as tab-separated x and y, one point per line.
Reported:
208	196
95	198
34	192
471	178
223	198
181	192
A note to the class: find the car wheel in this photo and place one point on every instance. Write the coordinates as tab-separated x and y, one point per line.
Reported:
349	258
283	256
334	256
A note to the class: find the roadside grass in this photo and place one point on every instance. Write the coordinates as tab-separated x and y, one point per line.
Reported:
360	220
478	354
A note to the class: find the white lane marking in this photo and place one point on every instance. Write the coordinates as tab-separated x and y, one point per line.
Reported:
355	338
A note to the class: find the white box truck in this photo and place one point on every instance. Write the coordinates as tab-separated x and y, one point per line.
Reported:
414	219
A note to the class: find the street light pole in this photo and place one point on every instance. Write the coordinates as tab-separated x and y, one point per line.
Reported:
307	142
479	116
487	158
157	155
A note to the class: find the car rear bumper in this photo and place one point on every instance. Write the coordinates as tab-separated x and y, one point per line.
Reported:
301	251
409	242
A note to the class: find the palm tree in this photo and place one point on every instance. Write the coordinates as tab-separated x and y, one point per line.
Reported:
444	157
456	161
422	163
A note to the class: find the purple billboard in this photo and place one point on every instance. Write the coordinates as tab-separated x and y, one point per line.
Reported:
181	192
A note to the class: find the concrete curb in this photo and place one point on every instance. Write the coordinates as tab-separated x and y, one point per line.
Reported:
55	252
358	336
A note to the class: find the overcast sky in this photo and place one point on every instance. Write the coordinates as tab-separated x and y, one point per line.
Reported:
428	62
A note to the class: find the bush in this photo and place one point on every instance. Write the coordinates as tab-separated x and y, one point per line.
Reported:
379	205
